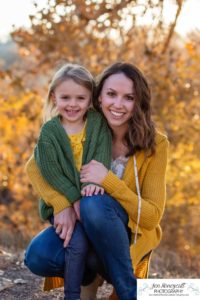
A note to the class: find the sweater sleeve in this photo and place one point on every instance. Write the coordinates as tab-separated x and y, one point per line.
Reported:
153	190
103	148
104	145
43	189
50	168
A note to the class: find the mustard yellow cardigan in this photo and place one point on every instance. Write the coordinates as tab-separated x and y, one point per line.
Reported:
151	171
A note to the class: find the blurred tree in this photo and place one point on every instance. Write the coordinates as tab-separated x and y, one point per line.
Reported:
95	34
104	30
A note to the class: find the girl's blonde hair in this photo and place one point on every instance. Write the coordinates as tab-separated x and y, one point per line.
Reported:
69	71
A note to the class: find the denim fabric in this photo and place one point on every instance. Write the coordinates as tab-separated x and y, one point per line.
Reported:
46	256
105	222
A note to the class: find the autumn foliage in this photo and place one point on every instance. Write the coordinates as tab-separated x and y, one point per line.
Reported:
96	34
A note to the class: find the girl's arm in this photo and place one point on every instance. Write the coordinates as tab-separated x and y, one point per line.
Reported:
104	145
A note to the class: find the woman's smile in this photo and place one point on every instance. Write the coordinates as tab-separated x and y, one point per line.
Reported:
116	114
117	100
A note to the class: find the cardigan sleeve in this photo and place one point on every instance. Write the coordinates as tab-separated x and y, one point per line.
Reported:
50	168
104	145
103	148
153	190
51	197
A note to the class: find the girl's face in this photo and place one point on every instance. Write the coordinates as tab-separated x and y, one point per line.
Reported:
72	101
117	101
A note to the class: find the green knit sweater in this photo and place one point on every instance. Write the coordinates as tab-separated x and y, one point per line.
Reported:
54	156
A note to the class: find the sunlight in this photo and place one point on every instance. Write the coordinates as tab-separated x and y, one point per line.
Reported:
11	15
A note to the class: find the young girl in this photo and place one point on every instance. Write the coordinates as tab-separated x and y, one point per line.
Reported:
73	135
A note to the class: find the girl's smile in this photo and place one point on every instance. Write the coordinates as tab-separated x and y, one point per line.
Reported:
72	101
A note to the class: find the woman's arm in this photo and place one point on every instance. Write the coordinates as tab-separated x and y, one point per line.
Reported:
46	158
64	214
153	188
51	197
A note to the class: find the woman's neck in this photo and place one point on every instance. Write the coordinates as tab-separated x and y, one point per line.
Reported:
119	134
119	147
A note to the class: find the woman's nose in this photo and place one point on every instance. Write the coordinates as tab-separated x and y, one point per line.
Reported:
118	103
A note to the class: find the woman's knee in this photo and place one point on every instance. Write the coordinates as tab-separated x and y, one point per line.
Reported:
32	258
45	253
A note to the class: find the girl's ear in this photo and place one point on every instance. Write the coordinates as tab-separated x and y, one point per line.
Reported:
53	97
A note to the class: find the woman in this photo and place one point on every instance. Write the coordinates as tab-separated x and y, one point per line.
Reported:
129	213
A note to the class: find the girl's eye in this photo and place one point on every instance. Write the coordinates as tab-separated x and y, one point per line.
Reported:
81	98
65	97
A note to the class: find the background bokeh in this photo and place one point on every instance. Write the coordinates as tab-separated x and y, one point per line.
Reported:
96	34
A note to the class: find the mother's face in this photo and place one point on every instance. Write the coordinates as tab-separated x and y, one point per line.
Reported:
117	100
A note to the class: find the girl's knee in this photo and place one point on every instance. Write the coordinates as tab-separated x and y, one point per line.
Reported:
79	241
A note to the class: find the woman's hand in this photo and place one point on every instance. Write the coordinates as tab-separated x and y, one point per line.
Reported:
94	171
64	223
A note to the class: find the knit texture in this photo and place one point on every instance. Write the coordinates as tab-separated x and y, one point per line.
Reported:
54	201
54	156
151	171
77	144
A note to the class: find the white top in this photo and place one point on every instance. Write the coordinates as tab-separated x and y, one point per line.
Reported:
118	166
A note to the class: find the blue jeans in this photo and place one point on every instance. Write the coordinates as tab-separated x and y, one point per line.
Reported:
105	222
46	256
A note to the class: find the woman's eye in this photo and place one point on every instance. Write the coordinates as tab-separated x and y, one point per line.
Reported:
130	98
111	94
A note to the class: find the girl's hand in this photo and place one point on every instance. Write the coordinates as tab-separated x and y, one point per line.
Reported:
94	171
64	223
76	206
92	189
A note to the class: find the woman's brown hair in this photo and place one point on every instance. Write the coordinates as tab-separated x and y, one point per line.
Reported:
141	133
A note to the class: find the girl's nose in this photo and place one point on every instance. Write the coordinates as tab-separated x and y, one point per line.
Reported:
72	102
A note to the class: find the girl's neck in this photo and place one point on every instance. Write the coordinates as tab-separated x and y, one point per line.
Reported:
72	127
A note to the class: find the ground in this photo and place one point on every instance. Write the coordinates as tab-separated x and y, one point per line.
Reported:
17	282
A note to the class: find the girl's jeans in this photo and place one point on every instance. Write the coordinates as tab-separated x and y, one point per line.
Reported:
46	256
105	222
